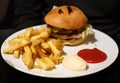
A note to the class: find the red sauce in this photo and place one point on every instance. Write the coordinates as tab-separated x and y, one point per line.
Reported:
92	55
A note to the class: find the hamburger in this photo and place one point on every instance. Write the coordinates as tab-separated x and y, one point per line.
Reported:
69	24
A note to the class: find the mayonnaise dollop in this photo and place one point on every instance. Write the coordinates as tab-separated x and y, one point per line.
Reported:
74	63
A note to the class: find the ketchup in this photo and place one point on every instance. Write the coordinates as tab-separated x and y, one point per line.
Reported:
92	55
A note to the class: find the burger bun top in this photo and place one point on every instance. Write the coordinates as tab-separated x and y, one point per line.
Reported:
67	17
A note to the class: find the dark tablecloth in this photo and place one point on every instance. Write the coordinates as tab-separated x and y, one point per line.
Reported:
11	75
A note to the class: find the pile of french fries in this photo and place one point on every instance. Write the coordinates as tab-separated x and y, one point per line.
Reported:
36	48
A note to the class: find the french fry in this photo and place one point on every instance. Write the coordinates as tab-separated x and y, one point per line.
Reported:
24	59
55	51
16	46
46	47
58	44
56	59
37	66
28	57
20	35
16	54
36	42
43	35
14	41
40	52
36	31
45	59
56	47
46	66
42	64
49	62
34	51
27	33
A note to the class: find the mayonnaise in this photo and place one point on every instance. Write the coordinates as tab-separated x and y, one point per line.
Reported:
74	63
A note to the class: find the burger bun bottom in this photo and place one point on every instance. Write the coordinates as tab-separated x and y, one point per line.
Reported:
74	42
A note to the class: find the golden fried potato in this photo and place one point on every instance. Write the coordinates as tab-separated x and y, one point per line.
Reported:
36	48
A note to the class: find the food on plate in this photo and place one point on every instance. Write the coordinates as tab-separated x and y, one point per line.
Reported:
74	63
69	24
93	55
36	48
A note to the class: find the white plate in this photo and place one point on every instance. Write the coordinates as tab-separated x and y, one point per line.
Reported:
102	42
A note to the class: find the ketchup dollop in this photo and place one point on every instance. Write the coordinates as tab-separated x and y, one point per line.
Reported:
92	55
